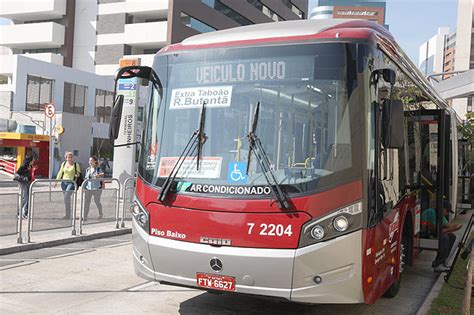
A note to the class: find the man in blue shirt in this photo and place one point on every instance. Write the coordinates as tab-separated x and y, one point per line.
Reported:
447	239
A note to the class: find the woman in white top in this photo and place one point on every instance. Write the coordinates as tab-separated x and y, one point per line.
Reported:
93	187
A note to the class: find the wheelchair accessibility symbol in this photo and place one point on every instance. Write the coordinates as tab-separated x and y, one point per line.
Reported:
236	172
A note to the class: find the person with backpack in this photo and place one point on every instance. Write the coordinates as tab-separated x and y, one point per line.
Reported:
93	188
72	171
24	177
104	165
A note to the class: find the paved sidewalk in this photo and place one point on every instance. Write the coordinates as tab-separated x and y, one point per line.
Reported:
40	239
435	290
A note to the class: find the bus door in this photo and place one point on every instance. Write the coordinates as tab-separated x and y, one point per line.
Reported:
384	232
430	130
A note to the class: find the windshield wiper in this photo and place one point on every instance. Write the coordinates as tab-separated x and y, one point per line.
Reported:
256	147
198	138
201	135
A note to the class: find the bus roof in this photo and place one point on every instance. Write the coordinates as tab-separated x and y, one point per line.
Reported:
299	30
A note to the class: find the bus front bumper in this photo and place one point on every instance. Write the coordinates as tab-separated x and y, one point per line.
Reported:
282	273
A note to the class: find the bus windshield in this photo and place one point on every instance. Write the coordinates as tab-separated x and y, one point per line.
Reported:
305	123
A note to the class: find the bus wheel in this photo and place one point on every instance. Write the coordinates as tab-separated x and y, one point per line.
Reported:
393	289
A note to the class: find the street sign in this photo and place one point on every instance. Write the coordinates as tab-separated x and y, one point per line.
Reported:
50	111
127	86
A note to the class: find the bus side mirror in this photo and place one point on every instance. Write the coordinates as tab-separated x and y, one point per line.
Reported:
392	117
389	76
115	118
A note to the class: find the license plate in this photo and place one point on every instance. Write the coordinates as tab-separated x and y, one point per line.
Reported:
222	283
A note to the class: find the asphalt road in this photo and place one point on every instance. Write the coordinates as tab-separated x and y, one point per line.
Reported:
97	277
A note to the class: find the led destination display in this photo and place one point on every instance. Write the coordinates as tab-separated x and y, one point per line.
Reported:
243	71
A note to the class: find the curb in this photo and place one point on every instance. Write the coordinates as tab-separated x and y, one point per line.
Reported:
58	242
434	292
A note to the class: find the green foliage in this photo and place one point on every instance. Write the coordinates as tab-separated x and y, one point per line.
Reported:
450	298
407	92
466	131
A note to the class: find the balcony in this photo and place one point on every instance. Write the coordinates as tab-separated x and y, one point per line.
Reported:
27	10
111	69
30	36
139	9
47	57
146	35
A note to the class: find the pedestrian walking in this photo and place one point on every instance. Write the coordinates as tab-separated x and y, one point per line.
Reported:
72	171
24	176
93	188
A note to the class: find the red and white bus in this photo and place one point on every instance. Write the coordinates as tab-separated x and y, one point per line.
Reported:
289	160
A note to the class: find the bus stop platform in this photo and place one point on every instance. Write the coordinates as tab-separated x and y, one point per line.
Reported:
55	237
436	288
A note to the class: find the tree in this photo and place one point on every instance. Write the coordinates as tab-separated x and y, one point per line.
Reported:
466	130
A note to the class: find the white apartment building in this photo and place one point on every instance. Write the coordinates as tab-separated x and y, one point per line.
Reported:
452	53
464	50
83	34
38	29
432	52
131	29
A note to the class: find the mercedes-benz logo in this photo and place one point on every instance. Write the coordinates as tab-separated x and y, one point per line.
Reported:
216	264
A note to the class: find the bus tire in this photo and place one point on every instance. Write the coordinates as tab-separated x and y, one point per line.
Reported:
393	289
404	258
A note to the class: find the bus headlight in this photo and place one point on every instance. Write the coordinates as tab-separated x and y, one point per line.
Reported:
317	232
142	219
140	215
340	223
337	223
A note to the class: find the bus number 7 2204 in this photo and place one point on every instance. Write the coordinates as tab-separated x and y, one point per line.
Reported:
271	229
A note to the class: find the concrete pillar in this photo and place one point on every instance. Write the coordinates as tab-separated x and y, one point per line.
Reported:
124	157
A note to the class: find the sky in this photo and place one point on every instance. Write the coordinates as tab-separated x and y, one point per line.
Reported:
412	22
4	21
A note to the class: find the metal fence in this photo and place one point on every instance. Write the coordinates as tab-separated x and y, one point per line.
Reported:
47	206
128	194
100	204
10	202
49	210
